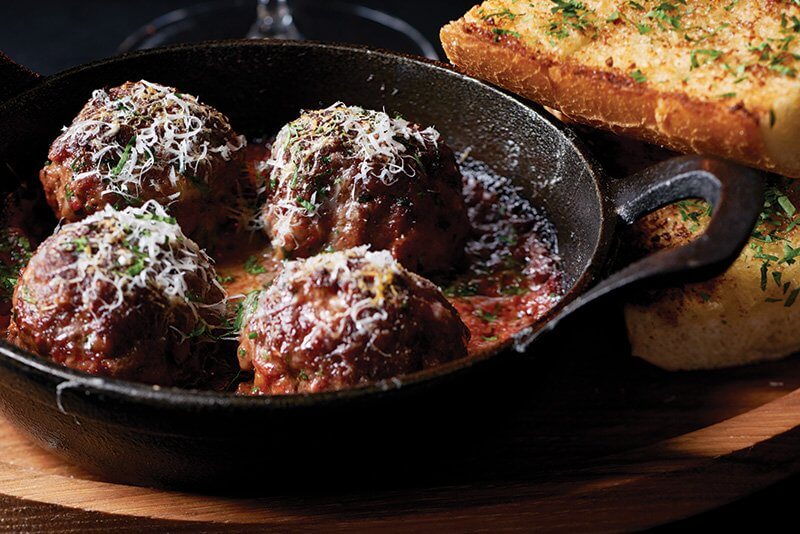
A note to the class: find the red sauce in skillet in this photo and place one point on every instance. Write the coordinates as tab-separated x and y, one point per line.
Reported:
510	277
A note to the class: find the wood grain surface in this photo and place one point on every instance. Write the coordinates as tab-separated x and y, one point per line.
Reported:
597	441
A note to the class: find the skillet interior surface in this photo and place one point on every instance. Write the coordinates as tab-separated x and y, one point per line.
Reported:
153	436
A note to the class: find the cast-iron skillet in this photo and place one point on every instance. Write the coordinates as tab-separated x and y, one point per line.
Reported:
169	437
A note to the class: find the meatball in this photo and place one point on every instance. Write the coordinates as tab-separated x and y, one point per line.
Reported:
122	294
143	141
346	318
345	176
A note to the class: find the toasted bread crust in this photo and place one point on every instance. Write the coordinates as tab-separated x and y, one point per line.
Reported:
609	98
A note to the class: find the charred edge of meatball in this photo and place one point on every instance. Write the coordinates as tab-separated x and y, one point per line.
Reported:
123	294
343	319
345	176
136	142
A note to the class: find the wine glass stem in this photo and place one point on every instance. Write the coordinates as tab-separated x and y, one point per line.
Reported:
274	21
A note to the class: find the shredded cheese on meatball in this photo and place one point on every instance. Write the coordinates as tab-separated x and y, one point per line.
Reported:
371	272
370	276
171	130
372	137
376	143
134	249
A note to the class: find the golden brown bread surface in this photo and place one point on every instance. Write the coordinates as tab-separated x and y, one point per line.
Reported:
748	314
712	77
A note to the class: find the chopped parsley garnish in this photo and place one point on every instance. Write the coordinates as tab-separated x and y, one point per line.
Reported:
786	205
510	239
792	297
500	31
308	206
126	154
138	266
513	290
79	243
505	13
247	305
253	266
201	330
461	290
777	219
777	60
156	217
795	24
667	13
638	76
485	316
16	251
570	14
691	211
708	53
789	254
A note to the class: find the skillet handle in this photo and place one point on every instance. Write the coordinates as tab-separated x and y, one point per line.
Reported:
737	196
14	78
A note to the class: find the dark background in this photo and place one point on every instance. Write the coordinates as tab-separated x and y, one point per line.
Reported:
50	36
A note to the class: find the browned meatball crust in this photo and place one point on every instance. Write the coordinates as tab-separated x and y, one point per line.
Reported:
346	176
143	141
122	294
343	319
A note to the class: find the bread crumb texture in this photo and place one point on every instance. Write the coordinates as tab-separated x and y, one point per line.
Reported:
746	315
697	76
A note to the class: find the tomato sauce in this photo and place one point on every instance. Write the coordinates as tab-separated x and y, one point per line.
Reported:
509	279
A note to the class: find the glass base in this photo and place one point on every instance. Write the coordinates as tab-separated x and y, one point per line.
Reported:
317	20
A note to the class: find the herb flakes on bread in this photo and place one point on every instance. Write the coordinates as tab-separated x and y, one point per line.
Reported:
748	314
696	76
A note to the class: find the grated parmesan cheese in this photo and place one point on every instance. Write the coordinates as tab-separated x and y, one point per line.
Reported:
368	285
132	250
371	144
170	132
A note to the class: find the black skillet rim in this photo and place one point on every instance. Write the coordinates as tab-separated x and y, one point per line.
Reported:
41	369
